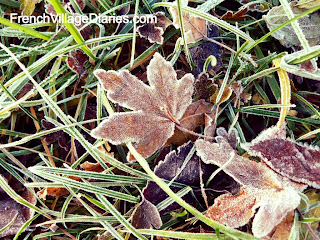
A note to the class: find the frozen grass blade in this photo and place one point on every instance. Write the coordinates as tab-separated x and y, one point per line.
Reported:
24	29
72	29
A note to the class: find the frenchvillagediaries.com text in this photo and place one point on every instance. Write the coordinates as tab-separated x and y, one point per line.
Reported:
81	19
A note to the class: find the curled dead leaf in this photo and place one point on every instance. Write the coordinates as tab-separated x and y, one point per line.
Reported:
238	16
93	167
76	61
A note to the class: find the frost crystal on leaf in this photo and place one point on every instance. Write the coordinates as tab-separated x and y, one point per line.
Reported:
146	216
300	163
157	107
262	188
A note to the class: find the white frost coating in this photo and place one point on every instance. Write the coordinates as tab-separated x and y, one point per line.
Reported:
157	107
293	166
273	194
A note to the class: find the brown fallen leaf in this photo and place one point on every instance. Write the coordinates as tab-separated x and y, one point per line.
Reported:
193	117
175	167
224	97
238	16
76	61
203	87
273	195
52	191
157	107
195	28
93	167
151	32
146	216
283	230
9	209
154	31
59	136
299	162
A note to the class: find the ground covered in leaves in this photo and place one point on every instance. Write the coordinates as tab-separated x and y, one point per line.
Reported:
199	120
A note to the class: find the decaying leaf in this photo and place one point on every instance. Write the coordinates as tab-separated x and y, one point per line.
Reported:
76	61
201	52
28	6
286	35
203	87
151	32
93	167
146	216
273	195
258	6
308	3
59	136
283	230
238	16
301	163
174	166
195	28
157	107
154	31
9	209
224	97
193	117
52	191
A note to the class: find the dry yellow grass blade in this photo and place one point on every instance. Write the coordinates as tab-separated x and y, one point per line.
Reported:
285	91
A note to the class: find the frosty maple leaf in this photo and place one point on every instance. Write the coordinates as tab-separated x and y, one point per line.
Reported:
301	163
157	107
262	188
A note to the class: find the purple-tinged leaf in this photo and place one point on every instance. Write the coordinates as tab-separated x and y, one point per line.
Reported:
146	216
262	188
174	167
76	61
301	163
